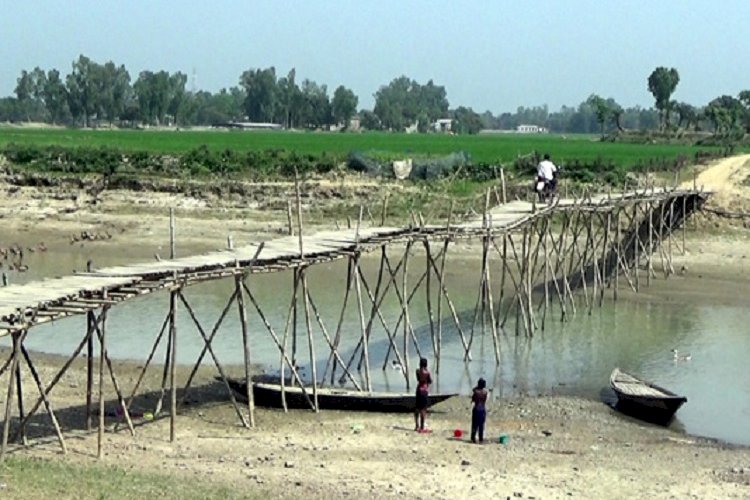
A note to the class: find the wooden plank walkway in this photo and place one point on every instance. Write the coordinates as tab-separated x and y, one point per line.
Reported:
23	306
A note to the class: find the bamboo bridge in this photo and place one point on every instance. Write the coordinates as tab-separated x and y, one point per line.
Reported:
562	257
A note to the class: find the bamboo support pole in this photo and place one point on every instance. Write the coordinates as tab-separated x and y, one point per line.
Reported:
530	317
173	365
428	297
491	310
102	347
289	318
245	347
360	309
172	252
441	285
16	339
405	312
90	318
310	344
19	397
605	248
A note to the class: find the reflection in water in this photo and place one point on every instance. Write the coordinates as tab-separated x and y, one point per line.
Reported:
575	357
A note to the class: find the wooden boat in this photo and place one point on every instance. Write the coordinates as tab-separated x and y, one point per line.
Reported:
643	399
269	395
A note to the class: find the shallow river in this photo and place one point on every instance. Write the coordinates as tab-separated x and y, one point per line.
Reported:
574	357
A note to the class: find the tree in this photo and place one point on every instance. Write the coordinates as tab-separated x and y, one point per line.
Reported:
403	102
391	104
601	110
369	120
55	97
686	114
726	113
82	90
176	95
261	94
343	105
662	83
29	92
466	121
290	99
114	90
315	111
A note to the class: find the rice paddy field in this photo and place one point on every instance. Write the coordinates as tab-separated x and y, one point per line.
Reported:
483	148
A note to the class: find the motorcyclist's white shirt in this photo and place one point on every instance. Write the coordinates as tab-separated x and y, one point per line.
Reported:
546	170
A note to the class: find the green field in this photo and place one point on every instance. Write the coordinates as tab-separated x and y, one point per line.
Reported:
488	149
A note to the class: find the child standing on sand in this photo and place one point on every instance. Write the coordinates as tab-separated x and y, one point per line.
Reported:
424	379
479	412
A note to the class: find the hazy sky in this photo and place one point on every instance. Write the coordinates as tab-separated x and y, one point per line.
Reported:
490	55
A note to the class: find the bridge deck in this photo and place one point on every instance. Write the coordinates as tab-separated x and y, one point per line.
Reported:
26	305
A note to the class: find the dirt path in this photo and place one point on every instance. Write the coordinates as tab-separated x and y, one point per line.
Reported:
727	179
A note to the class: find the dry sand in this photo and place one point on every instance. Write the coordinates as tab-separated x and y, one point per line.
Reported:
559	447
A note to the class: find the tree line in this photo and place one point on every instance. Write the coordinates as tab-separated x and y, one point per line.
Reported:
93	94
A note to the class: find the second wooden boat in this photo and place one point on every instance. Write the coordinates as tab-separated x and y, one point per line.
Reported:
643	399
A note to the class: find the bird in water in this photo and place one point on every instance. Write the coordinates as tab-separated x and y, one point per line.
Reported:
677	356
396	365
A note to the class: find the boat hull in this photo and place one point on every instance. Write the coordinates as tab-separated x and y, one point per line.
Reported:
657	407
269	395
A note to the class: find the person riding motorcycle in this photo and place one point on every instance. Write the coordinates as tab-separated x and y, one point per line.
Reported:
546	178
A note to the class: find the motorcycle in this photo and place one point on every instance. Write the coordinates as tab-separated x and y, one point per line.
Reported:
545	189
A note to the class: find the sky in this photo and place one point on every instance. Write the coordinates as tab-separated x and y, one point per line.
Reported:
491	55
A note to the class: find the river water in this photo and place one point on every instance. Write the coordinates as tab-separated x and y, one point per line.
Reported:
574	357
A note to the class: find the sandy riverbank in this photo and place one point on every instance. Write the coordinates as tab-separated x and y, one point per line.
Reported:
560	447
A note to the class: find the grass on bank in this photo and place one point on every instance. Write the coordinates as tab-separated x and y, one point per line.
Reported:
24	477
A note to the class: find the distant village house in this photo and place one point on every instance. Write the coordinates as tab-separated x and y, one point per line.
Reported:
531	129
443	125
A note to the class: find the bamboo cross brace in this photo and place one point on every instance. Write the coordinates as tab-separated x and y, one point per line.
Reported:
148	361
454	314
275	338
337	336
47	403
104	354
560	267
207	344
327	337
391	334
54	381
214	330
380	315
516	284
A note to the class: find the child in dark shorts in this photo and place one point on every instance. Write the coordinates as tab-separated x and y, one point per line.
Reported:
479	412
